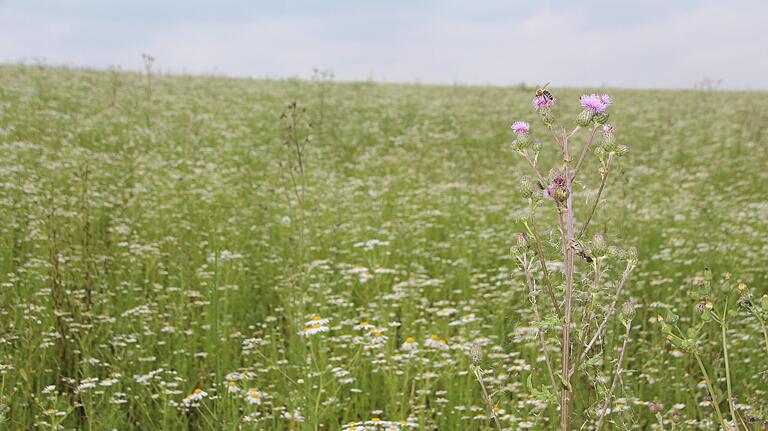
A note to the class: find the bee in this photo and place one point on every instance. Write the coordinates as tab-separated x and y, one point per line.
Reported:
543	92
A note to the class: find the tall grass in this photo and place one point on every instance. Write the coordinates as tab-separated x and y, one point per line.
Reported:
157	271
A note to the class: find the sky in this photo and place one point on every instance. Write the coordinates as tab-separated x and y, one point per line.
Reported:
577	43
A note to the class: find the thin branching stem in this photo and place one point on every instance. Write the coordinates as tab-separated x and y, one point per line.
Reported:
608	314
603	180
543	263
584	151
537	316
616	377
724	341
489	403
711	391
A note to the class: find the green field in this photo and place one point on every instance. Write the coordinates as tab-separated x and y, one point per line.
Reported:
161	253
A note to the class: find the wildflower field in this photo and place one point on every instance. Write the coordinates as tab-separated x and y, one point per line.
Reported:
207	253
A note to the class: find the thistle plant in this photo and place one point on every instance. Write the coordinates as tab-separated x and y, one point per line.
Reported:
576	293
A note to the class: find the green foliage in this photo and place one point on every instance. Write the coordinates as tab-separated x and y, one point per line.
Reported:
175	264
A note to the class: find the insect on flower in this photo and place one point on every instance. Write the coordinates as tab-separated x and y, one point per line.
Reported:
543	98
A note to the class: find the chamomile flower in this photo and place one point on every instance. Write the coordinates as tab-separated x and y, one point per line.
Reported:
317	320
315	328
436	342
254	397
410	344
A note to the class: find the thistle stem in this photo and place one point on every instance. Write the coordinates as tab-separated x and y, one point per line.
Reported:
486	397
608	314
543	263
711	391
607	402
597	198
584	151
723	330
537	316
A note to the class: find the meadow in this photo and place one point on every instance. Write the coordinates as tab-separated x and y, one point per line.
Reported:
203	253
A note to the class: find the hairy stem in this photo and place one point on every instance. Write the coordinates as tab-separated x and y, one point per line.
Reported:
565	400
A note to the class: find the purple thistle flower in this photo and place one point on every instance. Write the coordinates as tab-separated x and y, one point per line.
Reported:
541	102
521	127
595	103
550	191
558	190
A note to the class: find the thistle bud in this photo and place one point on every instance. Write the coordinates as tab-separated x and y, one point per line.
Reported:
616	252
522	244
600	118
584	118
628	310
558	189
609	137
546	115
526	187
522	240
599	248
632	255
622	150
600	152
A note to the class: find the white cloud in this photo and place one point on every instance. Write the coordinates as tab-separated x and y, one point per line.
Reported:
493	43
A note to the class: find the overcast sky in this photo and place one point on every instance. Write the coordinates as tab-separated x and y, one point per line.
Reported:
649	43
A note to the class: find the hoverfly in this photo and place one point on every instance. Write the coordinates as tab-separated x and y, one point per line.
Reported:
543	92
